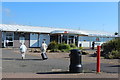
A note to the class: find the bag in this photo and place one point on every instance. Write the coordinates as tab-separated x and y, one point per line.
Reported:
44	56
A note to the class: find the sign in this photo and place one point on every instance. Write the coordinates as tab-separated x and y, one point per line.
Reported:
65	32
97	39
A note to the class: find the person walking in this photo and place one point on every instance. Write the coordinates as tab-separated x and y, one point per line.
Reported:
23	50
44	47
43	50
93	45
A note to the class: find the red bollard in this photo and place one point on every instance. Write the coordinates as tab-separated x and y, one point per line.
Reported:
98	59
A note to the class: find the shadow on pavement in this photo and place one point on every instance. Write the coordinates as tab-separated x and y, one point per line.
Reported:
64	72
115	66
93	55
66	57
59	72
90	49
22	59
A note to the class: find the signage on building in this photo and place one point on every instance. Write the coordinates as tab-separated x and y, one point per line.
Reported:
65	31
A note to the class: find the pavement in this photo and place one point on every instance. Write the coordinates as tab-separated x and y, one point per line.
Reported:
59	75
57	66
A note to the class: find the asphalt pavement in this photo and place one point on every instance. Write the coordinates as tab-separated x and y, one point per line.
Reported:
12	63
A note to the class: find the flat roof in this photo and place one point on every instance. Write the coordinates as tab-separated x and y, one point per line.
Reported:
51	30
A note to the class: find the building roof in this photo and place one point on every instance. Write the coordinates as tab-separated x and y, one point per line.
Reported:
23	28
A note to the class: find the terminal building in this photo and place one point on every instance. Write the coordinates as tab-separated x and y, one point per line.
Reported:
32	36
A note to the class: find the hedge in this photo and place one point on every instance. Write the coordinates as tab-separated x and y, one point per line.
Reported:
111	49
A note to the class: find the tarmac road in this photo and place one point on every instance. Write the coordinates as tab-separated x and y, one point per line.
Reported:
12	63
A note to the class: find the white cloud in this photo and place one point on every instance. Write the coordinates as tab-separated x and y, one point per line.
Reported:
6	11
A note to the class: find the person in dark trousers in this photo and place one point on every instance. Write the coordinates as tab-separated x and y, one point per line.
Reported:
93	45
44	47
43	50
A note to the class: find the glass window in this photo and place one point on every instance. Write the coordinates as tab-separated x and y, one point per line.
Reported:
3	36
107	39
22	39
9	38
96	39
84	38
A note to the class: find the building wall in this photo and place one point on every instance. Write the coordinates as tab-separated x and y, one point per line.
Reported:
17	41
0	39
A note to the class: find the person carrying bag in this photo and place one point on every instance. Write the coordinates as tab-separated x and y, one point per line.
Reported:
43	50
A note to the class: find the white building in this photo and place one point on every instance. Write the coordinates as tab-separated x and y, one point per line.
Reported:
32	36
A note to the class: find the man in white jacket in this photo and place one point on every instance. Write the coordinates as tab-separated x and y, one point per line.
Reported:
43	50
23	50
44	47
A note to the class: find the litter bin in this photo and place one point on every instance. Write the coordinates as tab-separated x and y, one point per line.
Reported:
75	61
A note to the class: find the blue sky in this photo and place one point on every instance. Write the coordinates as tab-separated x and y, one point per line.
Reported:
102	16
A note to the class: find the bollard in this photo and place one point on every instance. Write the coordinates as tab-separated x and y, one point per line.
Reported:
98	59
75	61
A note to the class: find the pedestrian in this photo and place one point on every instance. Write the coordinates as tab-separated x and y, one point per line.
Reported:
23	50
93	45
7	41
43	50
44	47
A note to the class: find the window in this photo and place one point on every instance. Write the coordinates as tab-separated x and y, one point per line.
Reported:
84	38
9	38
22	39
